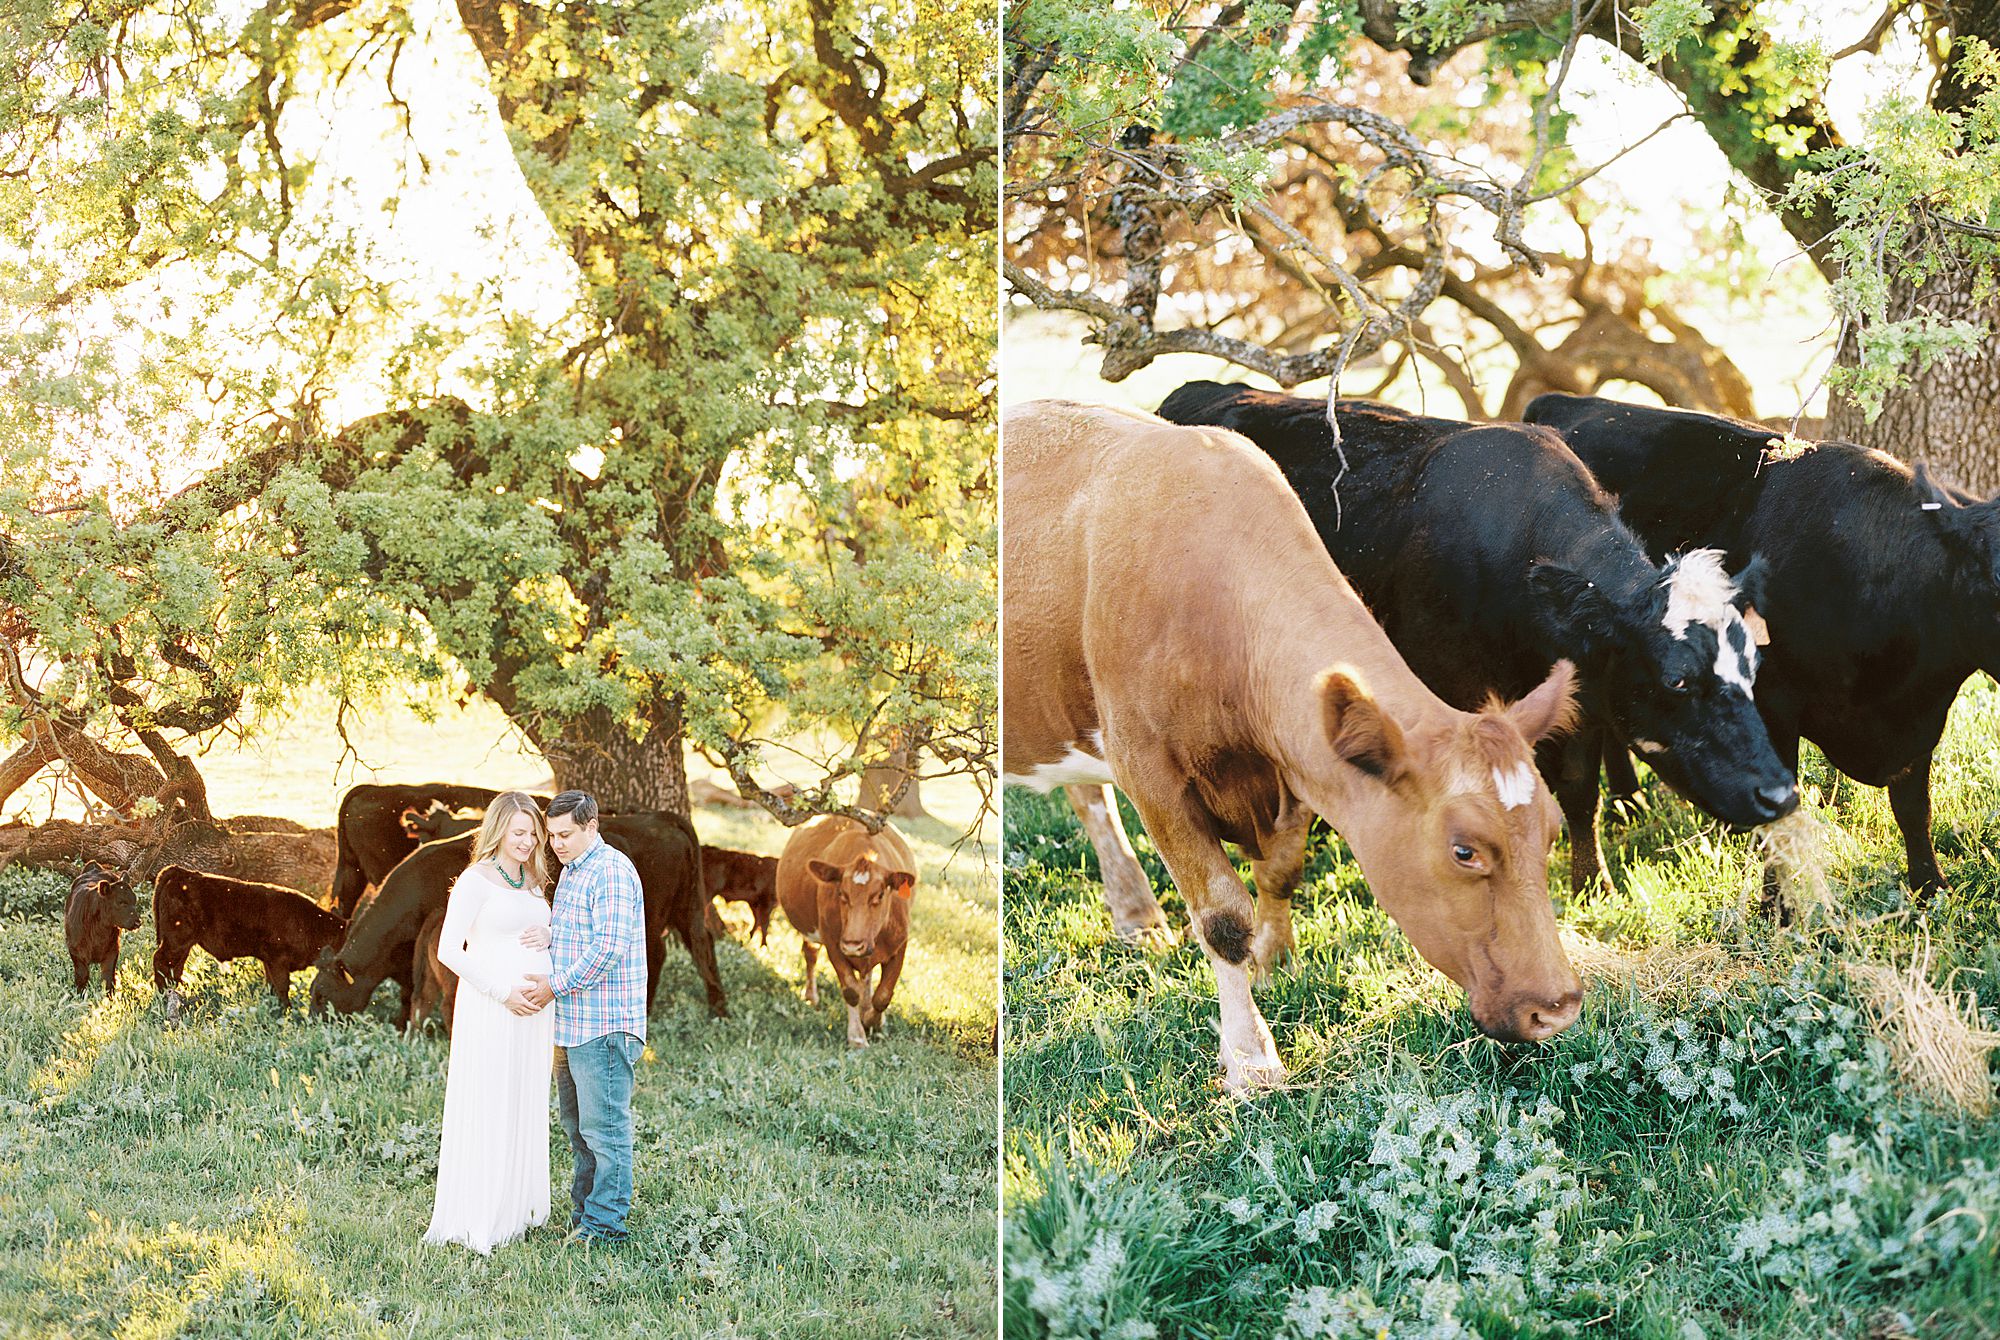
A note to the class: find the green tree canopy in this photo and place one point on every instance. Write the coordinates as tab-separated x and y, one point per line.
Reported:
1164	142
727	298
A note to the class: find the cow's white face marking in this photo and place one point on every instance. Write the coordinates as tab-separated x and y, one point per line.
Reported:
859	877
1699	591
1078	767
1515	787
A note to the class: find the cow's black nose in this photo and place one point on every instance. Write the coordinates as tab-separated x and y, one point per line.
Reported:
1778	800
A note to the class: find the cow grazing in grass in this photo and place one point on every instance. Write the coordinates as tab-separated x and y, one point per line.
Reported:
848	891
1488	553
102	906
743	877
371	838
235	918
381	940
1883	591
1173	625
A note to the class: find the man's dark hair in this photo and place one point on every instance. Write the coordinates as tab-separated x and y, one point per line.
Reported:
581	806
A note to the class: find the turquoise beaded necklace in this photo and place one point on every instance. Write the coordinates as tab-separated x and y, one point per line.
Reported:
517	883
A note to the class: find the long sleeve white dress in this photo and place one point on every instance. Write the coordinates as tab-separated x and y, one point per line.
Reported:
493	1155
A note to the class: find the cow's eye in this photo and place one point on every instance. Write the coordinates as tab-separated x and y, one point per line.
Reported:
1466	856
1678	684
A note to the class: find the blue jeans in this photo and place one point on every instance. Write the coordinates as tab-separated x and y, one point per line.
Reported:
594	1098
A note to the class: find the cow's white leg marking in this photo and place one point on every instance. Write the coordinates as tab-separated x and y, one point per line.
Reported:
1136	914
857	1032
1249	1053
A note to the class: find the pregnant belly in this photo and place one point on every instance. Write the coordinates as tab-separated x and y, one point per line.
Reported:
515	961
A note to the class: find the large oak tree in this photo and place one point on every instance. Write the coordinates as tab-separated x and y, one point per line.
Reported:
701	444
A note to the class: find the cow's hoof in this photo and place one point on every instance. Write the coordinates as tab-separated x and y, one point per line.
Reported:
1270	950
1150	934
1242	1076
173	1007
857	1042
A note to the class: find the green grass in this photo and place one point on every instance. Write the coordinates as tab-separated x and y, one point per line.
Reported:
1713	1156
247	1173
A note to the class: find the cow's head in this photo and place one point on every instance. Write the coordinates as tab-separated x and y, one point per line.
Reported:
117	900
1452	826
337	985
1675	664
1971	529
855	900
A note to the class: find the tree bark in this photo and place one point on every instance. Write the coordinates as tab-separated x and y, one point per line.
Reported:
596	753
879	782
1945	415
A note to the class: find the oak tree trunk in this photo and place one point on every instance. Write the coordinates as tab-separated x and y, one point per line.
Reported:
596	753
1945	416
880	780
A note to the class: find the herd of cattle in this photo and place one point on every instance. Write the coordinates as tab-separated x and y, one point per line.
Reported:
398	850
1242	620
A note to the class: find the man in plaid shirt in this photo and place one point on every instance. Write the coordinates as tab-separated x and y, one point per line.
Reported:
598	951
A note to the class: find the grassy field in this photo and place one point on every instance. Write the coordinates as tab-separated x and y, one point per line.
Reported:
1720	1147
247	1173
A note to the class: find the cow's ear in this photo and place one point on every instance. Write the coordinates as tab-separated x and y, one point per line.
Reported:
1550	709
1750	595
830	874
1357	727
1571	607
902	883
1974	528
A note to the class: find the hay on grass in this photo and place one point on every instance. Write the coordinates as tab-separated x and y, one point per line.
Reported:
1799	850
1657	971
1933	1035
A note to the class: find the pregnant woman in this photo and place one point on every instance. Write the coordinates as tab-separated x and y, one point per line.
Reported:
493	1160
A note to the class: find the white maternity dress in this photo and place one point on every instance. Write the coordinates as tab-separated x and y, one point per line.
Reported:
493	1157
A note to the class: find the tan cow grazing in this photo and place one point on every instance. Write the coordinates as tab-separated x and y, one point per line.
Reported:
848	891
1173	625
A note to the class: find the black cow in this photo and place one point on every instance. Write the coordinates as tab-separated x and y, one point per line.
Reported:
1883	592
1488	553
382	938
232	918
371	838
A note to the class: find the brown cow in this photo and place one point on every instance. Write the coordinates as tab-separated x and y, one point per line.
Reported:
848	891
744	877
1174	626
437	985
102	904
234	918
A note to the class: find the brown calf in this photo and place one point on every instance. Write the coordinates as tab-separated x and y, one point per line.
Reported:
101	906
1174	626
744	877
437	985
234	918
848	892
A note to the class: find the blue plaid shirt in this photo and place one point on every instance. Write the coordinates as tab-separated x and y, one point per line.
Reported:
598	927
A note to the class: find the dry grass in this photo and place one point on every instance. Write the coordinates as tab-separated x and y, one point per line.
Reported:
1800	848
1657	971
1933	1034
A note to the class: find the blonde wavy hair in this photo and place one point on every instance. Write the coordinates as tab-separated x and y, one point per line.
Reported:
499	816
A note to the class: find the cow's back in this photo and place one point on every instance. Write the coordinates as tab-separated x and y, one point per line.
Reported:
1136	549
